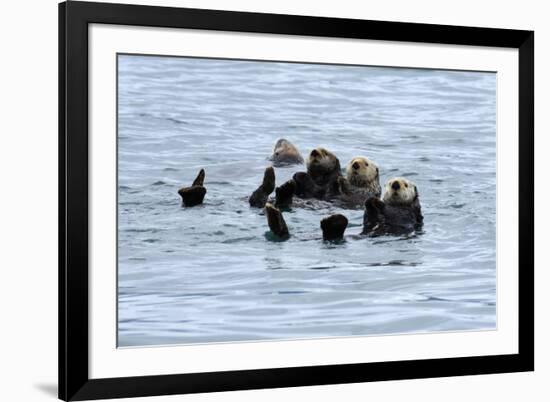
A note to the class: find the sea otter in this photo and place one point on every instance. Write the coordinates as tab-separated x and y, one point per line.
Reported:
194	195
398	212
320	180
285	153
360	183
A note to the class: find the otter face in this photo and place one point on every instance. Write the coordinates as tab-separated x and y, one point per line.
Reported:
399	191
362	172
285	153
323	166
321	158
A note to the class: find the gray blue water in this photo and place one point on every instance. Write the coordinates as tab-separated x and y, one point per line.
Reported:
210	273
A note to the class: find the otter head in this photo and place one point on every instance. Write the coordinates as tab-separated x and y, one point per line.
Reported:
362	172
285	153
322	159
399	191
322	165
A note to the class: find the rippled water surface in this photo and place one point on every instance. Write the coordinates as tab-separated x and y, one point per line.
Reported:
212	273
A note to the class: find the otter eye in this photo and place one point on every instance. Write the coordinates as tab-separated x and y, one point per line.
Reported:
366	164
406	185
276	153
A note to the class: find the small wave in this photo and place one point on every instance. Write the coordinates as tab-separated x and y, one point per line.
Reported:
173	120
323	267
159	183
239	239
133	230
291	292
394	263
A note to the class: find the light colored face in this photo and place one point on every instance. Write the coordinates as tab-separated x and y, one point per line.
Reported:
321	157
399	190
361	171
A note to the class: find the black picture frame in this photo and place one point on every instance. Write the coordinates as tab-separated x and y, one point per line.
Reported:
74	381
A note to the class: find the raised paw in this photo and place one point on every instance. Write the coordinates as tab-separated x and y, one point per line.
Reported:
334	226
199	181
284	194
276	221
260	195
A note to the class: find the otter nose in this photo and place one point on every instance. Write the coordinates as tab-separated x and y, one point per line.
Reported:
314	153
355	165
395	185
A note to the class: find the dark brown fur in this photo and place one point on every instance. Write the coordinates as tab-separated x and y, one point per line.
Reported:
194	195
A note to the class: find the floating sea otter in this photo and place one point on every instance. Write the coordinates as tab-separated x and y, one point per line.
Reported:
194	195
320	180
398	212
323	171
285	153
361	183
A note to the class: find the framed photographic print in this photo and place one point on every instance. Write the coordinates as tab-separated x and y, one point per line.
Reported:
258	200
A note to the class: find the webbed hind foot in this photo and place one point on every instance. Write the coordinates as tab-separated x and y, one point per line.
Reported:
284	194
260	195
334	227
194	195
276	221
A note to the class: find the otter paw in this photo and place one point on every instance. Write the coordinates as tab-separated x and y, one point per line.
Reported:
374	203
199	181
268	183
284	194
260	195
334	226
306	187
276	221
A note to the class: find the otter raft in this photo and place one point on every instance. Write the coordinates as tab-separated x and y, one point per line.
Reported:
271	200
398	212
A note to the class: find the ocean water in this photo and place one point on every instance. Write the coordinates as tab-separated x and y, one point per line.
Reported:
212	273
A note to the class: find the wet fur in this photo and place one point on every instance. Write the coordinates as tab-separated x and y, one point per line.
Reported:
323	167
285	153
275	221
194	195
398	212
259	197
360	183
